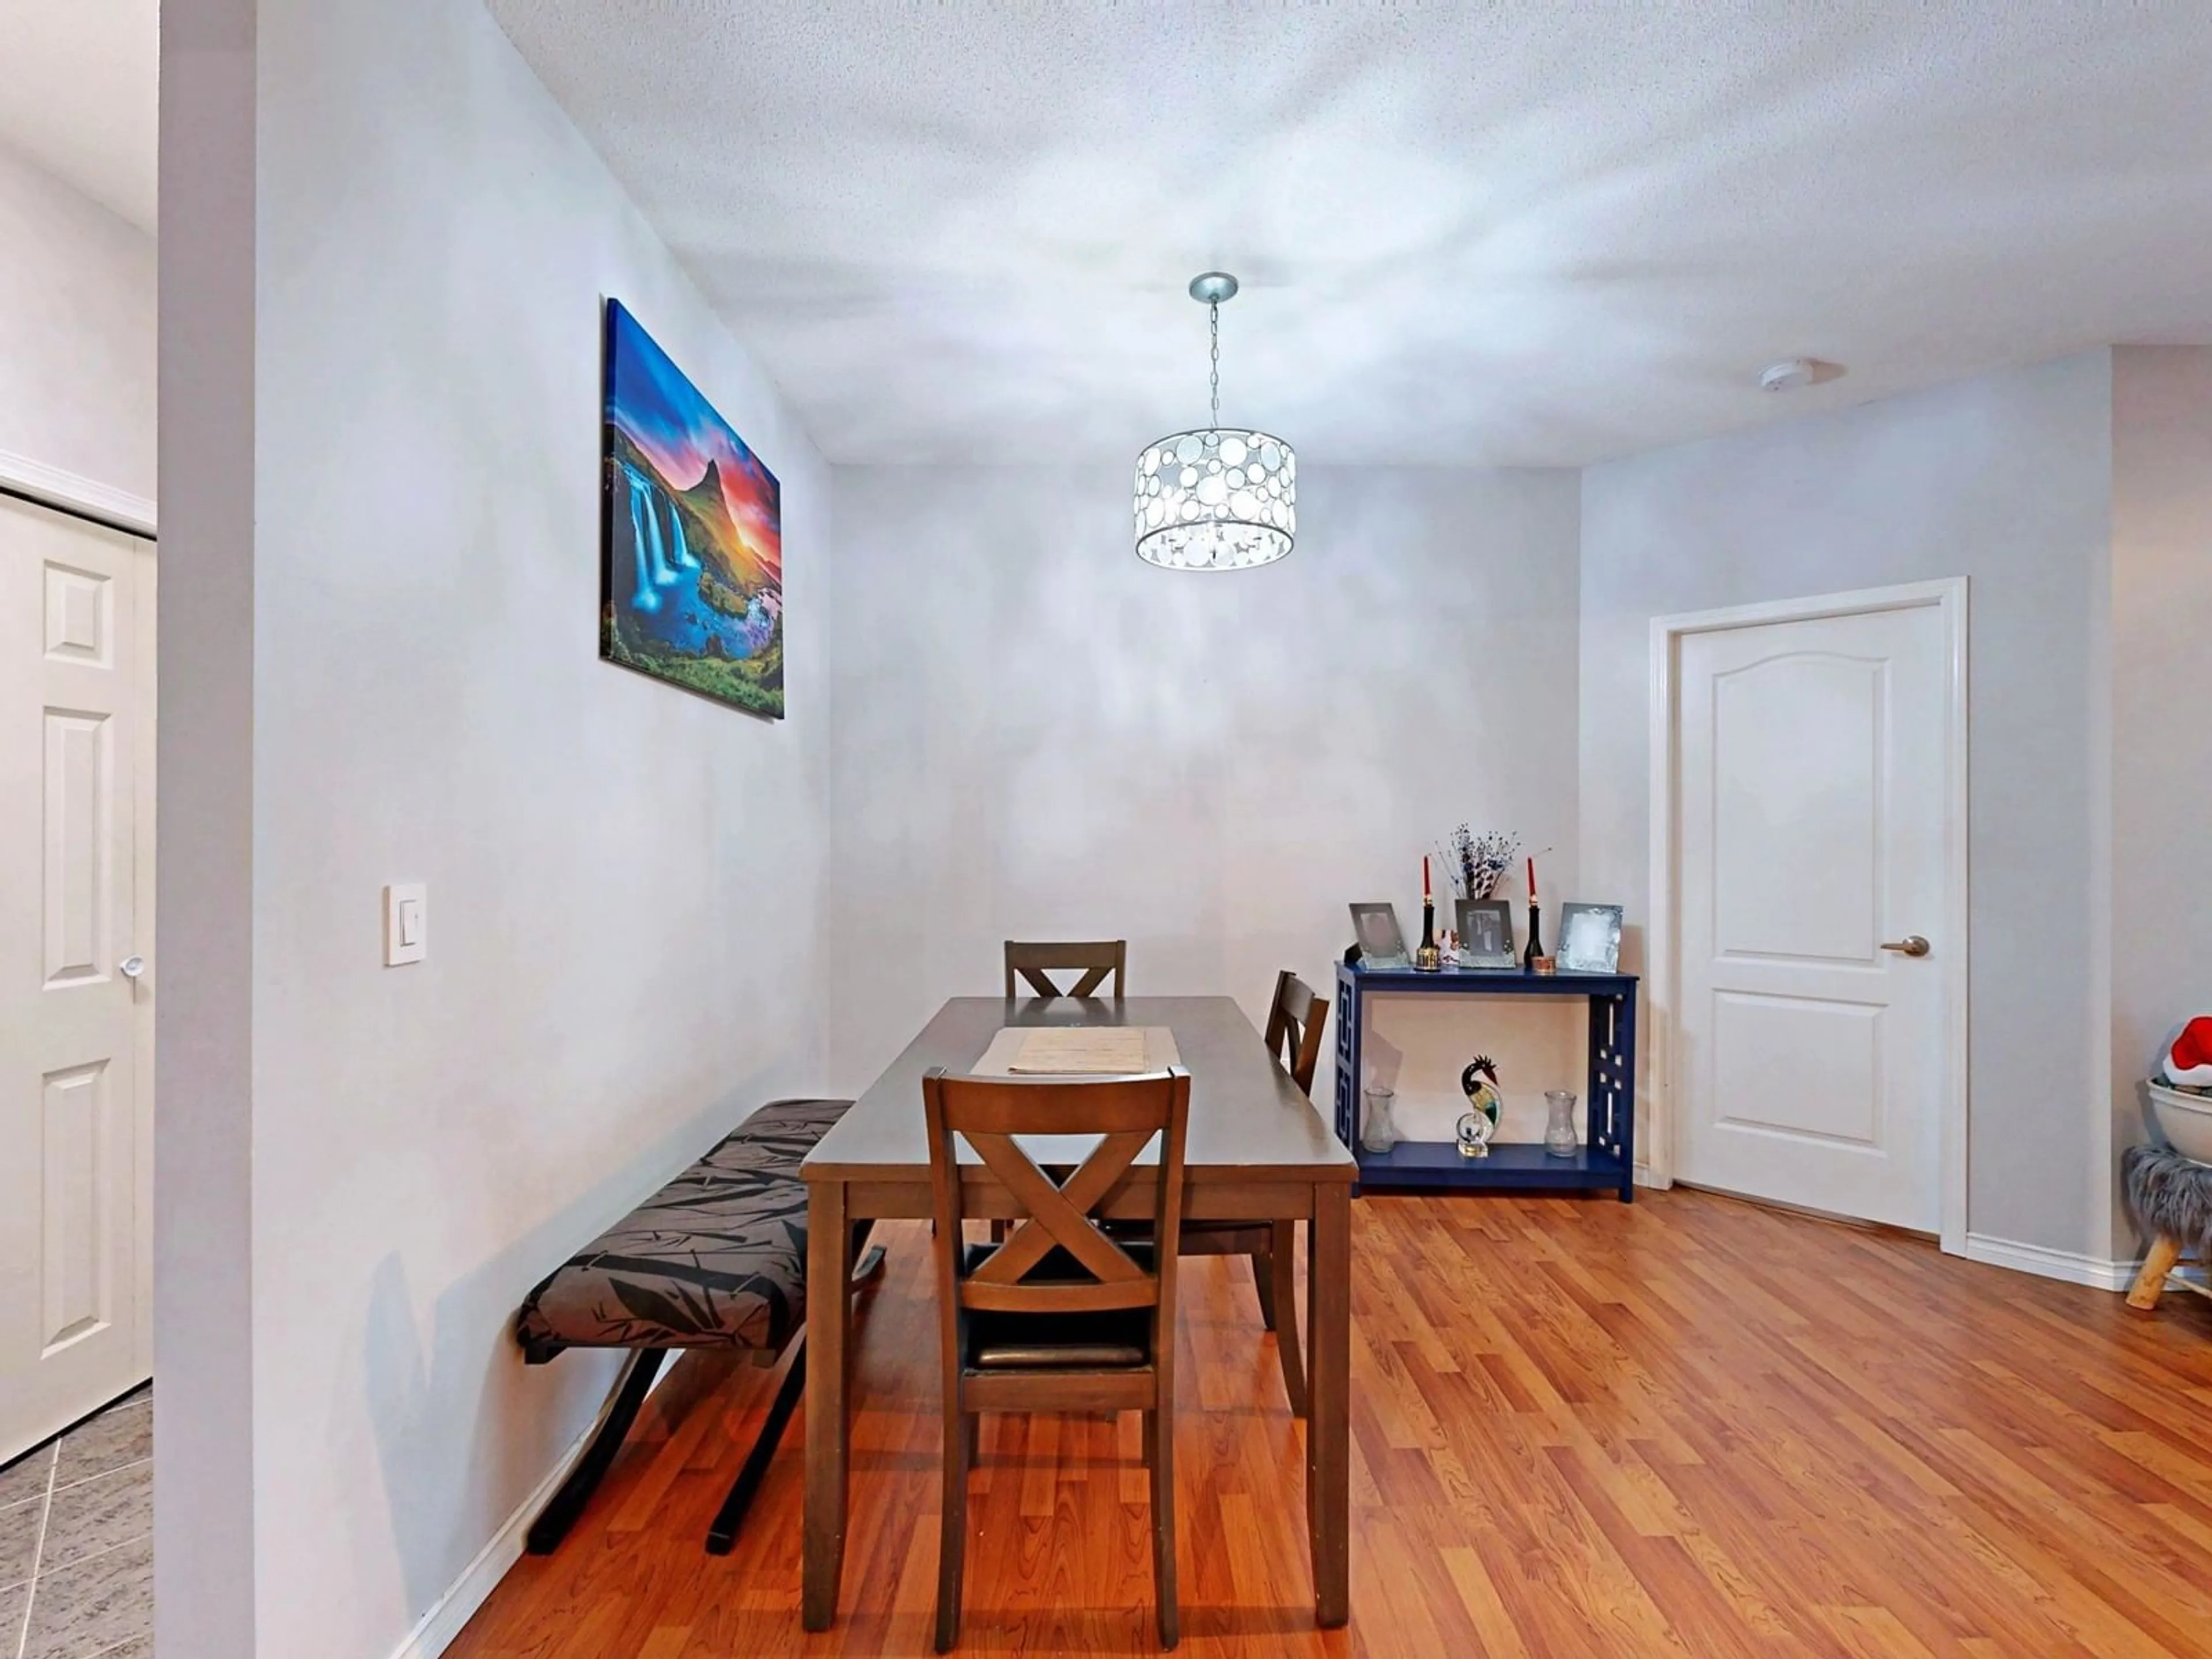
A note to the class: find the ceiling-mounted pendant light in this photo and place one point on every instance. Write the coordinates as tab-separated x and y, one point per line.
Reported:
1216	499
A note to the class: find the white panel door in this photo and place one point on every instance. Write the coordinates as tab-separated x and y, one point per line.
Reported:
72	1020
1813	800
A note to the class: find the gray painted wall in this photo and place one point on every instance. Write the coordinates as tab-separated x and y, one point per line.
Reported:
2006	480
2161	790
203	978
76	332
395	431
1038	735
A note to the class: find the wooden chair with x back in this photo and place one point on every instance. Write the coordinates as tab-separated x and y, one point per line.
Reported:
1062	1316
1295	1021
1034	962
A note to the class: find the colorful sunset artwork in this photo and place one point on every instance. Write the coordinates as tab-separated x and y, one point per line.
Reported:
691	541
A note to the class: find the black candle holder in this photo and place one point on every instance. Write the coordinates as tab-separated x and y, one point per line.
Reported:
1428	958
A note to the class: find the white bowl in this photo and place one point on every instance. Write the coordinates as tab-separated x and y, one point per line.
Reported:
2182	1122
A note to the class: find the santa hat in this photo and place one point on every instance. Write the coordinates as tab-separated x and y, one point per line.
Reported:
2189	1063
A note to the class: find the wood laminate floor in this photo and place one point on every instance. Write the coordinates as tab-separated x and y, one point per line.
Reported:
1688	1426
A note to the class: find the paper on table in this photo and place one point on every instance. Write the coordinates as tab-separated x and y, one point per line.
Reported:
1081	1051
1009	1055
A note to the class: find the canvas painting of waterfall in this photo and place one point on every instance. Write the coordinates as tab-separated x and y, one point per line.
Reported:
691	546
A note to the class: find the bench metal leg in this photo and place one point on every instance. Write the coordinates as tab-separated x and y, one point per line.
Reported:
722	1536
869	1268
563	1508
560	1511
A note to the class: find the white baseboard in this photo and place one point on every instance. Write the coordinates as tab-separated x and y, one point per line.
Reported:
435	1632
76	494
2095	1272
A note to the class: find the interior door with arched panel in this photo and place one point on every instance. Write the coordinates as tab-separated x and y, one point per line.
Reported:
1813	796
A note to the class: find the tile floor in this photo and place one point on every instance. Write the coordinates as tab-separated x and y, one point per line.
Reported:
76	1545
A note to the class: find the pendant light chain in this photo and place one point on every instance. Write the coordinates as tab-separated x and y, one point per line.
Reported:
1213	328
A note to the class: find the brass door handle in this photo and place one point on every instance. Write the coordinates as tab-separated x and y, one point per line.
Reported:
1911	945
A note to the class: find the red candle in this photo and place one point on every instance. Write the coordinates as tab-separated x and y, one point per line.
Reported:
1425	878
1532	881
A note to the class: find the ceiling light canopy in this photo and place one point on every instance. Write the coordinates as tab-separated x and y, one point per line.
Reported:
1792	373
1216	499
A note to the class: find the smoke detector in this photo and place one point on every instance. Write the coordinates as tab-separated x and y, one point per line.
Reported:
1789	374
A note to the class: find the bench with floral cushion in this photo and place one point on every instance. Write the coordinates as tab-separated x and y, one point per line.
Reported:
716	1259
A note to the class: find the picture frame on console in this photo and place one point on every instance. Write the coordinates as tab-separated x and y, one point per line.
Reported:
1382	945
1485	933
1589	938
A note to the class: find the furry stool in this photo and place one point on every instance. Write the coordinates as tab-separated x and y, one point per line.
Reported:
2171	1199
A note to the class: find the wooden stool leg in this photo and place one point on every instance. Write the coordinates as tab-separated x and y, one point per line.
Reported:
2164	1253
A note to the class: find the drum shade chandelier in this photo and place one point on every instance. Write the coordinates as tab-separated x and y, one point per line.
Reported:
1216	499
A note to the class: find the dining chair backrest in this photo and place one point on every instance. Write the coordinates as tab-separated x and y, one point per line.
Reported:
1126	1113
1295	1021
1035	961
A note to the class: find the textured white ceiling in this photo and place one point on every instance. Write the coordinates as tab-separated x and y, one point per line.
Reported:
77	95
1515	234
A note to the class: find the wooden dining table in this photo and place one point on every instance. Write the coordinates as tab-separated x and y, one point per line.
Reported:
1256	1149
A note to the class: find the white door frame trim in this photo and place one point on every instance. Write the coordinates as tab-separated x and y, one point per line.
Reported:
88	498
1662	969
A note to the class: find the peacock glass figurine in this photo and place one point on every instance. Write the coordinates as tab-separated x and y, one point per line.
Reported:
1479	1127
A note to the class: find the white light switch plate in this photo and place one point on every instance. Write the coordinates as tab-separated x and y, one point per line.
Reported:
406	923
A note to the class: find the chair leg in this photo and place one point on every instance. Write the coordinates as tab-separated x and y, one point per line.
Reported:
1263	1281
1283	1276
953	1534
1159	1451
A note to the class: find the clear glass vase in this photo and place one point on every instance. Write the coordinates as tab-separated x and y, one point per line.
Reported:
1560	1138
1378	1123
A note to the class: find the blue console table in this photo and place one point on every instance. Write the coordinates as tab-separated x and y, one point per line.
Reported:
1608	1157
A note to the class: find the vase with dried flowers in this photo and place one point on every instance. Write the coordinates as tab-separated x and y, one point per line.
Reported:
1476	863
